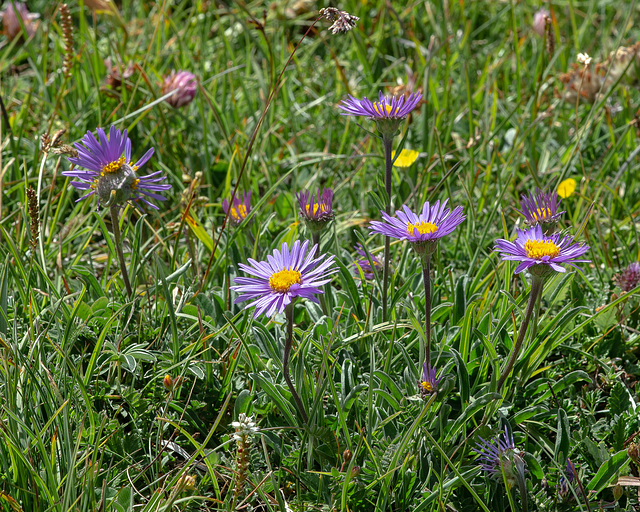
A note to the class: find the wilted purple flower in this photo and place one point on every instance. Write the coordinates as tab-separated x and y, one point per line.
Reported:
500	456
629	278
185	83
428	384
283	277
316	210
117	72
539	209
109	173
364	265
240	208
11	20
540	21
539	253
423	230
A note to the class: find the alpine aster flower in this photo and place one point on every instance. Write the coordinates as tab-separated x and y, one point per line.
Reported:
109	173
629	278
11	20
316	210
428	384
500	456
539	209
539	253
363	263
423	230
240	208
285	275
186	85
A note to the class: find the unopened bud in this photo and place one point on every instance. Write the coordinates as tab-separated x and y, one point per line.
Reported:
633	452
346	455
355	471
617	492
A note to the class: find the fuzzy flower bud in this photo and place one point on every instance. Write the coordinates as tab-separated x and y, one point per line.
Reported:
186	85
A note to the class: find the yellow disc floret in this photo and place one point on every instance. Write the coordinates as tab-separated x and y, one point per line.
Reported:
379	107
542	214
426	385
282	280
114	166
538	249
323	208
239	213
423	227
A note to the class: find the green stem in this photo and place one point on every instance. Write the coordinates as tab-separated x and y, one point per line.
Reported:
536	289
288	311
388	142
426	277
116	233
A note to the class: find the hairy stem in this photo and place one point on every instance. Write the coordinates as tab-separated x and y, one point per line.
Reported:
288	311
426	277
116	233
387	241
536	289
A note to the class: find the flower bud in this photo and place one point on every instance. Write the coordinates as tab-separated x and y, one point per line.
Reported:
186	85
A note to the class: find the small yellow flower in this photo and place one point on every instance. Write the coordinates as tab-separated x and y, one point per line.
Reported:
406	157
567	188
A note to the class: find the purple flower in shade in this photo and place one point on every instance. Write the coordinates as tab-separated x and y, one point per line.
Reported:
539	253
564	487
185	83
388	112
285	275
539	209
11	20
364	264
316	211
629	278
108	172
499	457
423	230
240	208
428	384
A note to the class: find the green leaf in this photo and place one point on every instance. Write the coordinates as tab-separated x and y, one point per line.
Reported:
563	437
608	471
618	400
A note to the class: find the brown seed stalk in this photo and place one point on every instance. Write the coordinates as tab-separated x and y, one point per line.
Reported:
67	31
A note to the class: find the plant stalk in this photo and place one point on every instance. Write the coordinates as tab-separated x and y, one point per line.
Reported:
288	311
116	233
536	289
426	277
388	142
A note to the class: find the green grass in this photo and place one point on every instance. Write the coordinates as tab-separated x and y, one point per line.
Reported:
85	421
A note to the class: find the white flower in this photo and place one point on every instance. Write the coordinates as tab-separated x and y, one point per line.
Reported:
583	58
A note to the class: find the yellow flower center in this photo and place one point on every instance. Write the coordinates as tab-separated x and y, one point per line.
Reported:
322	207
135	184
379	107
427	386
239	213
538	249
542	214
423	228
114	166
282	280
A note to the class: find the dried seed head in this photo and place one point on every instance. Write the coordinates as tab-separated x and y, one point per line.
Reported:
67	31
34	217
342	20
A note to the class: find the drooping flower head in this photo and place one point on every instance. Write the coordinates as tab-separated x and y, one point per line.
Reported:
11	20
428	385
387	112
316	210
629	278
186	85
109	173
364	264
240	208
422	230
539	209
342	20
499	456
285	275
564	482
541	253
117	72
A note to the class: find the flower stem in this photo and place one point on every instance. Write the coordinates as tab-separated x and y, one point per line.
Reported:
536	289
116	233
426	277
388	141
288	311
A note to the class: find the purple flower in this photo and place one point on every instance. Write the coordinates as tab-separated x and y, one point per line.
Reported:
428	384
564	488
240	208
283	277
364	265
422	230
533	248
11	20
109	173
540	21
394	107
629	278
185	83
539	209
316	211
500	456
